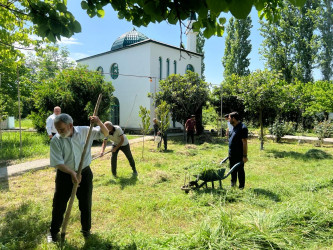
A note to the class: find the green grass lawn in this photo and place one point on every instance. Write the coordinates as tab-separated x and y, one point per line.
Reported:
25	123
34	146
287	202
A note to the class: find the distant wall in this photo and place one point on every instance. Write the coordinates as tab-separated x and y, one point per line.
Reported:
9	123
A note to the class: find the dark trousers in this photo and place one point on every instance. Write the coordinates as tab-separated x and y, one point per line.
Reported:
63	190
190	133
240	172
127	151
165	141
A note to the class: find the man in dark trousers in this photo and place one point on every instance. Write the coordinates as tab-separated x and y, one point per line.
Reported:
66	149
237	149
191	128
120	142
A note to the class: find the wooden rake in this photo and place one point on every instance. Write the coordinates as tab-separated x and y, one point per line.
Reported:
75	185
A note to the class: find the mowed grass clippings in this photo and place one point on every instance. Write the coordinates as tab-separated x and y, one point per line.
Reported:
287	202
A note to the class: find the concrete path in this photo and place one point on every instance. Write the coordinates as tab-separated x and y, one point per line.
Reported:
303	139
17	169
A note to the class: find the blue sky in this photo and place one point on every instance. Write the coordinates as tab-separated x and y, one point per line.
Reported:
98	35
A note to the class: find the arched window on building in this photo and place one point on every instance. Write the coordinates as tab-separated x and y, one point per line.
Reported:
168	67
115	114
189	67
174	67
114	71
160	61
100	70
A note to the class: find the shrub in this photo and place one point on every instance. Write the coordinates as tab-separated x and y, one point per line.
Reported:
280	129
76	92
323	129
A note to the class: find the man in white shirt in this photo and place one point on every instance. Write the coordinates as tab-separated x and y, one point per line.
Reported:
120	142
229	126
66	149
50	128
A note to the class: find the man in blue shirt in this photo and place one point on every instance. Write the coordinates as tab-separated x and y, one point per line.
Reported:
237	149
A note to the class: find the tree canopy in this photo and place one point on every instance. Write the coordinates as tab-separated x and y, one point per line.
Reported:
72	90
52	19
185	94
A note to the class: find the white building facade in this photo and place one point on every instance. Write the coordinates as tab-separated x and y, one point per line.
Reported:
134	65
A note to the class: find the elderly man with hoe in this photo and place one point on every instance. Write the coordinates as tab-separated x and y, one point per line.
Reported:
66	149
237	149
50	128
120	142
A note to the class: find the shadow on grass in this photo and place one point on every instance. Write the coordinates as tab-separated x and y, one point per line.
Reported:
127	181
267	193
229	196
95	242
23	227
310	154
179	140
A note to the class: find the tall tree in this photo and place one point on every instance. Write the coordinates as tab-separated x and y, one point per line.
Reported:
229	60
306	41
237	47
185	94
290	45
144	114
278	47
326	34
200	49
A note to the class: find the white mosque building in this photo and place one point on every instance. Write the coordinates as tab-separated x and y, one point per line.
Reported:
134	65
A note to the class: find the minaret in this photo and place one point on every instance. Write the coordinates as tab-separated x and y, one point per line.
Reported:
191	36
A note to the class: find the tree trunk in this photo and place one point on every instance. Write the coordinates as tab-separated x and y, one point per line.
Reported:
143	144
184	132
198	119
261	131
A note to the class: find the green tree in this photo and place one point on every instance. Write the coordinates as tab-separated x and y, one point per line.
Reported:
326	35
306	41
229	59
318	97
278	47
42	65
208	11
185	94
237	47
76	92
163	114
52	19
290	45
200	49
47	61
144	114
262	90
228	93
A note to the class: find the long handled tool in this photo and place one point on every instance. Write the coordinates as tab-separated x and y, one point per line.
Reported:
98	156
75	185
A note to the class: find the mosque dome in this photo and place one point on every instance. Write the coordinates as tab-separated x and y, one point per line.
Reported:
127	39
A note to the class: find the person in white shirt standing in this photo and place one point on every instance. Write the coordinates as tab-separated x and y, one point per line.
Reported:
50	128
